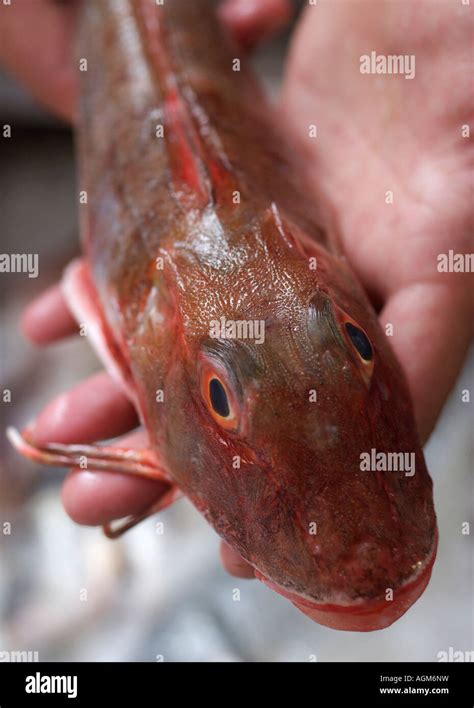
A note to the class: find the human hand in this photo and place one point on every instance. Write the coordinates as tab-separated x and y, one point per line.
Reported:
381	133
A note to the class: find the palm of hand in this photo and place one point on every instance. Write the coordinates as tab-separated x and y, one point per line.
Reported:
391	160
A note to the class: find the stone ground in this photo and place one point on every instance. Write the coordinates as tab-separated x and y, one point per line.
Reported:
71	594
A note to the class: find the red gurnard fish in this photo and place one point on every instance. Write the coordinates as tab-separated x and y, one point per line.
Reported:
209	278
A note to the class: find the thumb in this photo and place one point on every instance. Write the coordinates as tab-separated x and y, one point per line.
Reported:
251	21
432	328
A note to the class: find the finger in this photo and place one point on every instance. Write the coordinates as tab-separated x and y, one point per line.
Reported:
251	21
235	564
48	318
96	498
431	332
95	409
37	44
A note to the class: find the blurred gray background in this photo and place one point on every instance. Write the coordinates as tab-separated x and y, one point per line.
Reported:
152	596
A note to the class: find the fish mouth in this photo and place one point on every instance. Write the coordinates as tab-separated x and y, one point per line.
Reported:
367	615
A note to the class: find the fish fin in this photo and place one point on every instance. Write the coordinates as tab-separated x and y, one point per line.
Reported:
116	529
83	302
105	458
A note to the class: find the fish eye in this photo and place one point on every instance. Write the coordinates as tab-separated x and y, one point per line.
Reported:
218	398
360	341
357	340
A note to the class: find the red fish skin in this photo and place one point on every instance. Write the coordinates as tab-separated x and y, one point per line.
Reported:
364	616
171	197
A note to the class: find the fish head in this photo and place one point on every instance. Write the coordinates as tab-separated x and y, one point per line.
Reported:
296	439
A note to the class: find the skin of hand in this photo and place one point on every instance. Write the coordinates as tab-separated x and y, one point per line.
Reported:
403	136
418	155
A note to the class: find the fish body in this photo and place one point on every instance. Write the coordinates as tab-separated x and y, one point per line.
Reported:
253	355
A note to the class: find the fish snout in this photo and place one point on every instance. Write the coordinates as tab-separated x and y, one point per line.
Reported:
366	615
